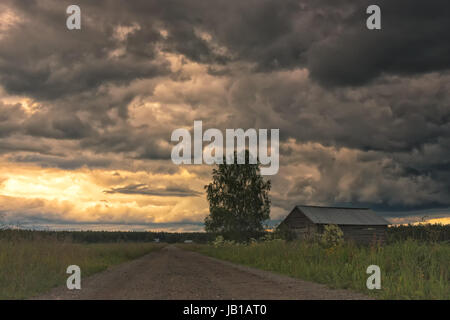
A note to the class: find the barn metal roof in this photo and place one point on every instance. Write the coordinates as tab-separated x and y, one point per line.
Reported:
337	215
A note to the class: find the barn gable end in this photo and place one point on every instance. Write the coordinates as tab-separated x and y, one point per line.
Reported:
300	224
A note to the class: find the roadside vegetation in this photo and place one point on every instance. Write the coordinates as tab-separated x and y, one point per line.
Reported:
33	265
410	269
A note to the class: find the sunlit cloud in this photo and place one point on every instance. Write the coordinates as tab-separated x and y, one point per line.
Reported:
31	192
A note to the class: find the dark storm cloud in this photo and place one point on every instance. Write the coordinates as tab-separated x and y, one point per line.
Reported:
10	119
68	163
143	189
310	68
392	115
129	139
411	42
57	126
338	177
40	57
21	145
330	38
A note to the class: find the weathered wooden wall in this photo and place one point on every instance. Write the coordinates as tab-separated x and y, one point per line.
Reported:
364	234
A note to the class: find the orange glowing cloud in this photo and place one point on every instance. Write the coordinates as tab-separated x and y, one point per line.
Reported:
85	195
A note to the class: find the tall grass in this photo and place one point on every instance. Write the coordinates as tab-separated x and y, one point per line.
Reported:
409	269
30	267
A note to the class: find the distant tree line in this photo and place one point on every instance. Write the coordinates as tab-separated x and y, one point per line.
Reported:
425	232
106	236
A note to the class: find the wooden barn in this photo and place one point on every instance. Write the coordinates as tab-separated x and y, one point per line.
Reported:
360	225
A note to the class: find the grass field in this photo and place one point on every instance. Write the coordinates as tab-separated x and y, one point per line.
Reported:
34	262
28	268
409	269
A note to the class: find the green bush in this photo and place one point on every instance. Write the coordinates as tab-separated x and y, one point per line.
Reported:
218	242
332	236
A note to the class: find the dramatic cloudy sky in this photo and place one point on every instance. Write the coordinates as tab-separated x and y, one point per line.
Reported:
86	116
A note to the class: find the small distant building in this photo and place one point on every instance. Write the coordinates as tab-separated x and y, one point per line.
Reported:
156	240
360	225
188	241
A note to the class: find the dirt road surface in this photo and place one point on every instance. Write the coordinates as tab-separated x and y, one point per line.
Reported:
173	273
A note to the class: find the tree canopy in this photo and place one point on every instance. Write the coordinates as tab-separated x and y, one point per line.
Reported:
238	200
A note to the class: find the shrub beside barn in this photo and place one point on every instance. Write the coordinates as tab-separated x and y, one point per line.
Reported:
361	225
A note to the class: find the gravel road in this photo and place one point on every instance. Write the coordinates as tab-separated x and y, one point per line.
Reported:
173	273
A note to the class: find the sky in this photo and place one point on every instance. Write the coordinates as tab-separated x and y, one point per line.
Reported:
86	115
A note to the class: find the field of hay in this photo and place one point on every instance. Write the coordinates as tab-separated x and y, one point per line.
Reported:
32	266
409	269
